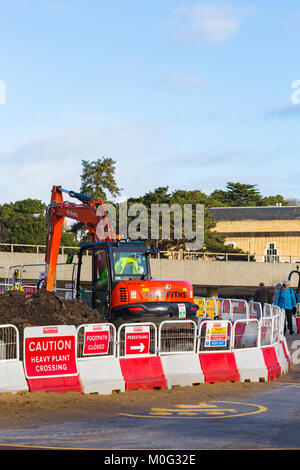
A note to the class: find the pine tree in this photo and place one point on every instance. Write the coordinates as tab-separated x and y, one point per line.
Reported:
98	179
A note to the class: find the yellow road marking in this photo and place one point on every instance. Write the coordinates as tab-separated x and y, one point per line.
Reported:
190	411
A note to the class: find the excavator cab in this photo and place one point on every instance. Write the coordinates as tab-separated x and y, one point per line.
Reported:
101	266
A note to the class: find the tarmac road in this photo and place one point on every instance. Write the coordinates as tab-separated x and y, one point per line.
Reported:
266	418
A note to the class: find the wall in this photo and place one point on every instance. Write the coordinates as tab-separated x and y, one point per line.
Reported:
200	273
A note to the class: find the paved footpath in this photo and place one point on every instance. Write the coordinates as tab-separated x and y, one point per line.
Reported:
266	420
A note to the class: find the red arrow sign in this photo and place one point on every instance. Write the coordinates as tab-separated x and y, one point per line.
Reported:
137	340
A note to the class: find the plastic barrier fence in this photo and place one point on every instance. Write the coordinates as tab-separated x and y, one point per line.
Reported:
214	335
50	358
208	307
246	333
178	336
240	309
227	309
270	310
12	377
255	310
99	368
177	342
297	318
96	358
219	366
282	359
272	363
137	352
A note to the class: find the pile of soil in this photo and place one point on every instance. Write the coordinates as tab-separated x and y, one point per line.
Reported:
44	309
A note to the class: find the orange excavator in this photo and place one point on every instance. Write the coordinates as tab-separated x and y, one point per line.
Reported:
113	275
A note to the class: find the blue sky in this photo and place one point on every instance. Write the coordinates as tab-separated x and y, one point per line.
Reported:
184	94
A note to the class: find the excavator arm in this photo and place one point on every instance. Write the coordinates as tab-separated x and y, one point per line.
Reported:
91	212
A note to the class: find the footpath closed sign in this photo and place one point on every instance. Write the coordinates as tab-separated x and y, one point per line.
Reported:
96	339
137	340
50	351
216	334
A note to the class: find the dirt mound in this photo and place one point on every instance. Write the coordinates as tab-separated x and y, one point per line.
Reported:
44	309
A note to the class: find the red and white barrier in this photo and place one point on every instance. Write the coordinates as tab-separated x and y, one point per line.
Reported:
297	322
219	366
12	377
140	356
177	341
143	373
286	351
99	369
271	361
137	353
50	360
182	369
281	357
251	365
101	375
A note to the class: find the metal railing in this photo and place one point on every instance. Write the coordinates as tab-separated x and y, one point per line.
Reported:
96	340
206	256
214	336
246	333
171	337
128	331
37	249
179	336
178	255
28	289
227	309
238	325
9	343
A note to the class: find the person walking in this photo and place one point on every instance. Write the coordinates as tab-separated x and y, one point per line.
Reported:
286	299
276	288
262	295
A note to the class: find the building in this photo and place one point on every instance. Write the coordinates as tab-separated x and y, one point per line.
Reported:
271	234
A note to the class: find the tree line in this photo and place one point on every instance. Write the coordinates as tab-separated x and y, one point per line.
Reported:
24	222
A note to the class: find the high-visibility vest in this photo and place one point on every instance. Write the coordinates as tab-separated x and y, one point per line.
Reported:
121	264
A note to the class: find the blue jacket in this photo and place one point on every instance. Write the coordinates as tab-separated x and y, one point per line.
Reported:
285	299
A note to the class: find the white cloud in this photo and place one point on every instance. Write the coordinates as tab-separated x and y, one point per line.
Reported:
29	170
285	111
182	79
207	23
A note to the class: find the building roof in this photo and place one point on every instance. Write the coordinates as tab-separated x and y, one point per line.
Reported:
256	213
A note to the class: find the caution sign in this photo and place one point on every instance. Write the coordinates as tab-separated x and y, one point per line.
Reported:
216	334
50	351
137	340
96	339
